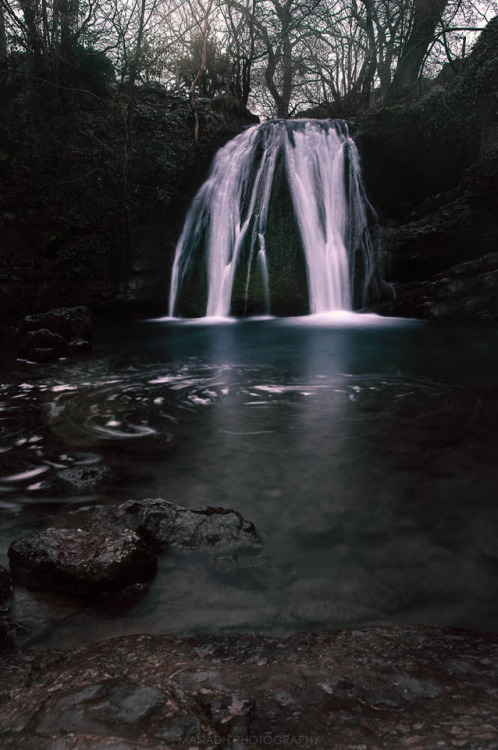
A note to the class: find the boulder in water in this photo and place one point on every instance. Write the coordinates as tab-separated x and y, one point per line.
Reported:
79	562
166	525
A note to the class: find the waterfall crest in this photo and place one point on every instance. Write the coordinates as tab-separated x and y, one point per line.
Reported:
228	217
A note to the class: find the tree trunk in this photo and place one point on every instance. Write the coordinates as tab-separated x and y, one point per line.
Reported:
426	16
3	36
360	91
281	109
34	46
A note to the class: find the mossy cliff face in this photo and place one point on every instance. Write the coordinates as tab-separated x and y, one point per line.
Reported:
93	192
431	169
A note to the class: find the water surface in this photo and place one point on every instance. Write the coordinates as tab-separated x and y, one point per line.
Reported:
362	449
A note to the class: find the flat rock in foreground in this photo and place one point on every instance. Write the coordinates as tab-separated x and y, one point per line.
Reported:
80	562
166	525
379	687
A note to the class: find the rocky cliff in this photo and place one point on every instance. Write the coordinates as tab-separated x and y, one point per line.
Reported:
93	190
431	168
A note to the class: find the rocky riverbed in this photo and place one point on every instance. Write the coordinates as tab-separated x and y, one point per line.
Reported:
382	687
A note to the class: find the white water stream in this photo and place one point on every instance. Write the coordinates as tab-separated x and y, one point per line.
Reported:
230	212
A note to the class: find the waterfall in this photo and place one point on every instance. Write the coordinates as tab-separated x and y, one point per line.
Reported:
263	268
228	217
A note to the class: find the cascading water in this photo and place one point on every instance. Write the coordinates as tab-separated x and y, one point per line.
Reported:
263	268
228	217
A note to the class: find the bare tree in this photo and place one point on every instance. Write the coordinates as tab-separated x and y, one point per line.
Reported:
241	47
3	35
427	14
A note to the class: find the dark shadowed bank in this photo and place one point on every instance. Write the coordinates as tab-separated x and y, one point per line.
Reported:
94	188
431	168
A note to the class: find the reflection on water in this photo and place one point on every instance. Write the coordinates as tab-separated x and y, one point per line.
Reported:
363	451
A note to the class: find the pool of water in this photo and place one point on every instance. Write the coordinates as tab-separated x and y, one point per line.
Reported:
363	449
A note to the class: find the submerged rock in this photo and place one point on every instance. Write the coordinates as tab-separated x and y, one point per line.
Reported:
378	687
57	333
166	525
79	562
78	345
43	345
68	322
79	479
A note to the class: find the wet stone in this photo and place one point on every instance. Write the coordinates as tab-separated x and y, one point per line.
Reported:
43	345
111	708
57	333
231	714
68	322
80	562
183	728
78	345
166	525
87	709
401	691
79	479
